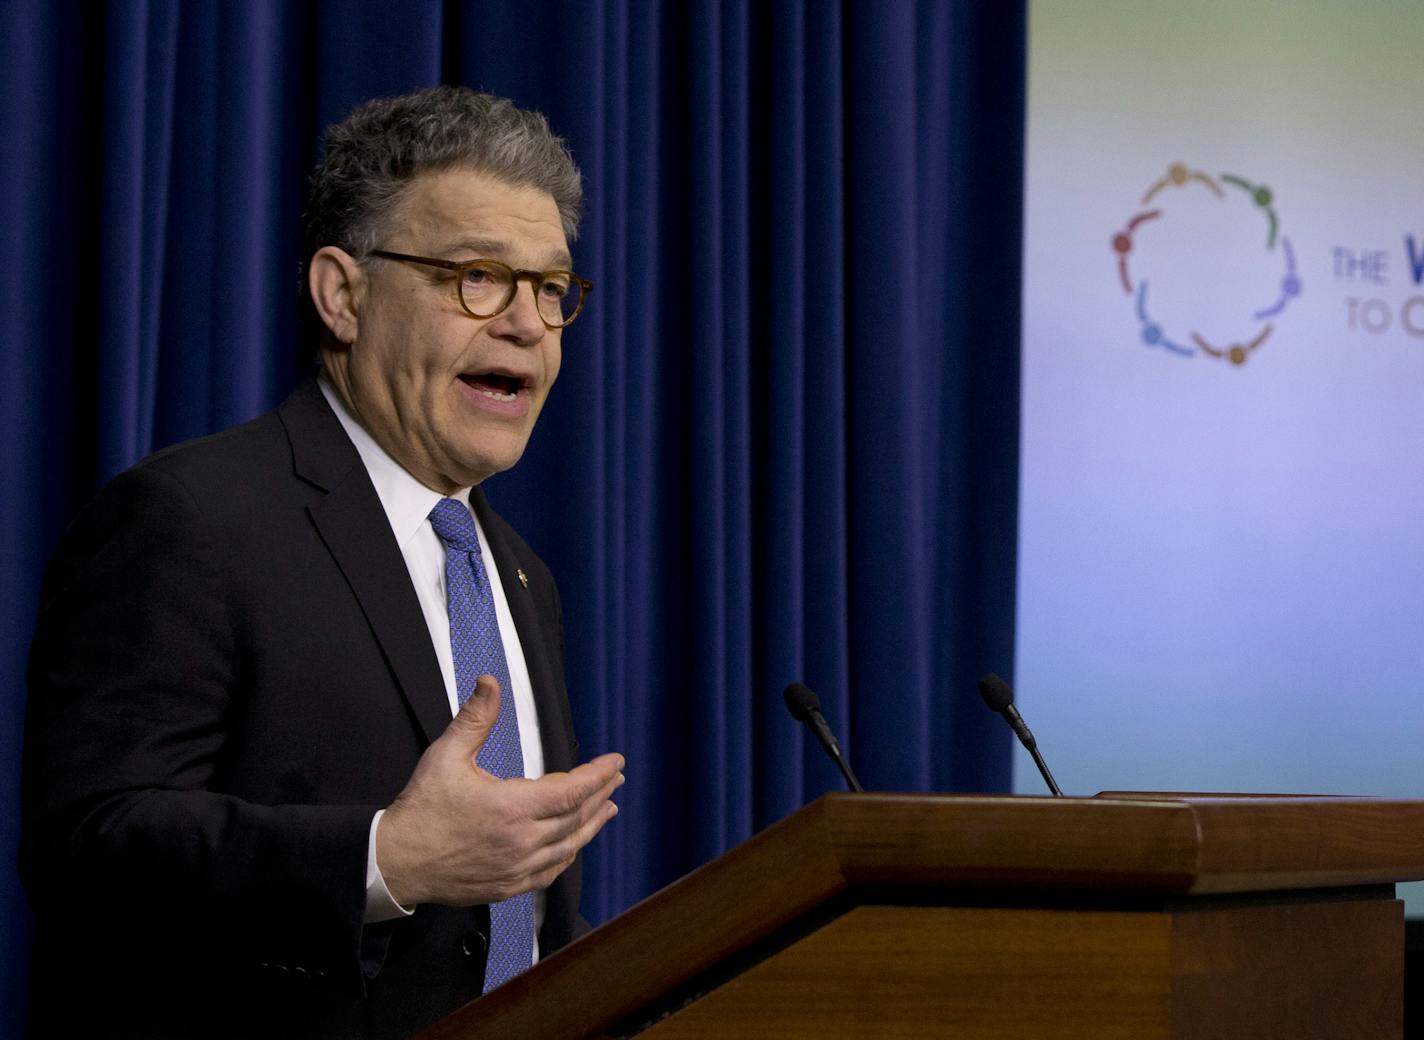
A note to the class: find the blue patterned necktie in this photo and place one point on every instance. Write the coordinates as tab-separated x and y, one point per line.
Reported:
477	650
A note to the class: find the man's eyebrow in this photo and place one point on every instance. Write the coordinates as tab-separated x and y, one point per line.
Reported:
490	247
499	249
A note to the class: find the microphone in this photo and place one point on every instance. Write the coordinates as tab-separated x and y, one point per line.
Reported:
805	707
1000	699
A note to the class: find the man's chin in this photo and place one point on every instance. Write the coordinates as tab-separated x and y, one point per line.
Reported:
474	466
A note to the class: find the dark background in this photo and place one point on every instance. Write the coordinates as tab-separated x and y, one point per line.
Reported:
784	444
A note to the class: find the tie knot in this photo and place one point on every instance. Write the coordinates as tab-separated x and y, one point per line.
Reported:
455	525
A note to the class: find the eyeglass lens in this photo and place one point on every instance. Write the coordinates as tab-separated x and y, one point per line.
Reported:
487	288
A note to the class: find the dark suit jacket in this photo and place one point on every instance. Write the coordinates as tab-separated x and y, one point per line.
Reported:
231	674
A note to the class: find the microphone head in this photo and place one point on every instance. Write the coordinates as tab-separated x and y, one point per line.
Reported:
996	693
800	701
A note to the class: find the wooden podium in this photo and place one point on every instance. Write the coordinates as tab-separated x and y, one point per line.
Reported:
1131	916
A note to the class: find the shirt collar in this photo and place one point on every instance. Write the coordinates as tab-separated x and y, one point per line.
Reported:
407	501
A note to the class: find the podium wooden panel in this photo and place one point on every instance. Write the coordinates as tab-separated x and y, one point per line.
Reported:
1136	916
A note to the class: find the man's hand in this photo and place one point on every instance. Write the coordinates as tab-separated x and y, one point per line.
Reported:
458	835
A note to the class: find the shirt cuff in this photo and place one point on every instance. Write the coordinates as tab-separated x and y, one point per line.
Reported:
379	904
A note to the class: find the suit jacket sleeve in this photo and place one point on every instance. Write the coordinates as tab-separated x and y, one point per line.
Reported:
134	683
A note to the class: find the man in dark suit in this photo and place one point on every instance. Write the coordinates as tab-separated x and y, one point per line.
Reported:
299	758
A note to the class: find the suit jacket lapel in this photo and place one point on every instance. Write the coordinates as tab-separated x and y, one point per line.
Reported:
354	527
537	638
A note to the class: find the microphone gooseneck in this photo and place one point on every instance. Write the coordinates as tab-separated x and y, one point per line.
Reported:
805	707
1000	699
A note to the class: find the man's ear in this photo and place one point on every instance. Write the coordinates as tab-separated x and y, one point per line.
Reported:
338	286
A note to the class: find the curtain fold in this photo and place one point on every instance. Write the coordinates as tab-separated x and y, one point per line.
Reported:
784	442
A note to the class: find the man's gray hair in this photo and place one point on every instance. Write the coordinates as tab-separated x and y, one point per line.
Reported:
372	156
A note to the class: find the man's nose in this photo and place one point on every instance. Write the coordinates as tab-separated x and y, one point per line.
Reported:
521	319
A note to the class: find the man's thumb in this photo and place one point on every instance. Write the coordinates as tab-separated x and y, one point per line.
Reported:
476	717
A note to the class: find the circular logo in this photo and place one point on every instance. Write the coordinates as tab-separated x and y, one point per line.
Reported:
1204	274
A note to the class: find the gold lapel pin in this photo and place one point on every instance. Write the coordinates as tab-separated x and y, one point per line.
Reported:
523	578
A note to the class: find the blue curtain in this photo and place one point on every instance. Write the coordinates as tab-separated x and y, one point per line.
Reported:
784	444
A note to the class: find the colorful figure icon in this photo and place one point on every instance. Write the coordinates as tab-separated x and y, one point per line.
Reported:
1178	176
1262	197
1235	352
1152	332
1122	245
1290	284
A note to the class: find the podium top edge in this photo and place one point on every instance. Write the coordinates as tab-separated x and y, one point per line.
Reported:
1174	798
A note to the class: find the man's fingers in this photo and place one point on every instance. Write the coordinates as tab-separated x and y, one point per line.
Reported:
552	829
553	858
472	723
563	794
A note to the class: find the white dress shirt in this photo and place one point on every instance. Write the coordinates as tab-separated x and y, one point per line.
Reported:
408	503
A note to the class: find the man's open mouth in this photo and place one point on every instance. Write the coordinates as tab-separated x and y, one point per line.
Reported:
496	385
